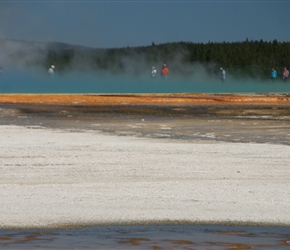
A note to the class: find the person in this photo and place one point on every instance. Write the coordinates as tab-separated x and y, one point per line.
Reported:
273	74
285	74
164	71
1	70
51	70
223	74
153	72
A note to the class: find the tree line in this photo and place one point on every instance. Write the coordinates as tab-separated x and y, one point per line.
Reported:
242	59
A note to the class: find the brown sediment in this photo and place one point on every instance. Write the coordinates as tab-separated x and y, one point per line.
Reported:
31	238
182	242
28	238
285	243
134	241
231	246
234	233
158	248
5	237
90	99
240	247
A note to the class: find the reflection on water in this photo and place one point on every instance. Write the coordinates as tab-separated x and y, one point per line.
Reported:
149	237
40	82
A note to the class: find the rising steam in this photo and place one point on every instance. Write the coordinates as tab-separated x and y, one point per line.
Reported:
25	68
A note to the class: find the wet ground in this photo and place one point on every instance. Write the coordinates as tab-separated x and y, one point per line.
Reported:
150	237
256	123
222	122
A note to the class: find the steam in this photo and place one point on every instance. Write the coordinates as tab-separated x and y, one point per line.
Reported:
21	55
25	68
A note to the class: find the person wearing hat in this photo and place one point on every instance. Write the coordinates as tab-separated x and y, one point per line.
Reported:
164	71
223	74
51	70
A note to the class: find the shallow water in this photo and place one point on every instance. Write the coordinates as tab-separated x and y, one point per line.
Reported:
228	123
19	81
149	237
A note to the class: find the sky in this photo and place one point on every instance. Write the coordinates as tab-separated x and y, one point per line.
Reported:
120	23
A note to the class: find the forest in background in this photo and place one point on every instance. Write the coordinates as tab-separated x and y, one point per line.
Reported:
247	59
242	59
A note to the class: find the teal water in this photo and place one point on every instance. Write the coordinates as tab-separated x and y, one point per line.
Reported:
20	81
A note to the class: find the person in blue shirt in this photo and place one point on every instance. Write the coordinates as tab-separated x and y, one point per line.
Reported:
273	74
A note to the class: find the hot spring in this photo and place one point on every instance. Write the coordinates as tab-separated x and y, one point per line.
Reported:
23	81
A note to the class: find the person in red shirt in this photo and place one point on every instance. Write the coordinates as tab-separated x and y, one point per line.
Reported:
164	71
285	74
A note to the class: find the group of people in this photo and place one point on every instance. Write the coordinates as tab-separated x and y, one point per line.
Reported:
274	74
164	71
285	74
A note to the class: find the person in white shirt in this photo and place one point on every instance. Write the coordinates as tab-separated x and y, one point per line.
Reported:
51	70
223	74
153	72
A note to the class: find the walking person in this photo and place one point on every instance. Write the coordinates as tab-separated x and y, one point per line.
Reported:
153	72
164	71
285	74
223	74
273	74
51	70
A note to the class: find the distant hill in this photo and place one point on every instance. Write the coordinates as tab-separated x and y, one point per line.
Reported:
19	53
247	58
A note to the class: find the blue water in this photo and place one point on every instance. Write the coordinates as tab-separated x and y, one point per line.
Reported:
149	237
24	81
